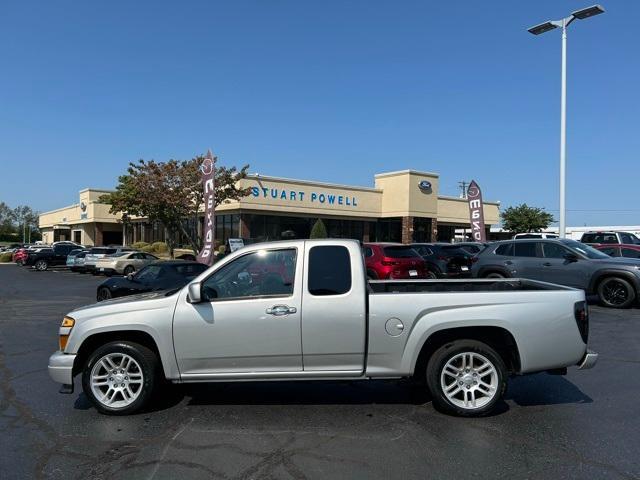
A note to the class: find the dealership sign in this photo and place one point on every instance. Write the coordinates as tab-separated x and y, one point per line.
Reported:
476	213
208	182
324	198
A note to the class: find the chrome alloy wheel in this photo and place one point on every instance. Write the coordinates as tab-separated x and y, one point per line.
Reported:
469	380
116	380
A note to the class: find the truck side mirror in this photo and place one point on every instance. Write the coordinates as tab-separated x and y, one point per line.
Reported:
194	292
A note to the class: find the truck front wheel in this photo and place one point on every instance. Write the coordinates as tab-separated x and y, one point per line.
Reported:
41	265
119	377
466	378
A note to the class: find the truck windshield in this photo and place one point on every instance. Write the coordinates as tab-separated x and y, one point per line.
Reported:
400	252
585	250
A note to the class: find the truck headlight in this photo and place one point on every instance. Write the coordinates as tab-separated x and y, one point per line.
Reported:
65	331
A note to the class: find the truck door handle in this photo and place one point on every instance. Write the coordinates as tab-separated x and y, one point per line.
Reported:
280	310
546	264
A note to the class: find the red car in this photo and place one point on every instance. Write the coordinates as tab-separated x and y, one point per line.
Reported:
20	255
393	261
620	250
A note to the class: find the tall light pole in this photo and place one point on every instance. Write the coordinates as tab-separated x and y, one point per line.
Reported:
537	30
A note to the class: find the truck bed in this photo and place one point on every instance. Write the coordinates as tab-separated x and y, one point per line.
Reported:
461	285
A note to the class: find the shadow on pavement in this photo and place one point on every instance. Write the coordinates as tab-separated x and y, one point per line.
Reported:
544	389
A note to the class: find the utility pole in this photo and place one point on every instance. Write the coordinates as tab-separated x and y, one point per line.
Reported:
463	188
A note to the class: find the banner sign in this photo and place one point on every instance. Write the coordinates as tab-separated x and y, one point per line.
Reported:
476	212
208	182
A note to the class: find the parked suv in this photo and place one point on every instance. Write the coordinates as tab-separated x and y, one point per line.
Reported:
616	281
445	260
610	237
393	261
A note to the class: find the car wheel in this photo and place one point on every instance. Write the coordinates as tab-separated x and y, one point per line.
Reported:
372	275
616	292
119	377
494	275
103	294
128	270
466	378
41	265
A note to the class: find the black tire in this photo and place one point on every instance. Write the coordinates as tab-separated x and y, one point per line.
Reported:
128	270
41	265
149	367
103	294
372	275
433	272
616	292
494	275
435	378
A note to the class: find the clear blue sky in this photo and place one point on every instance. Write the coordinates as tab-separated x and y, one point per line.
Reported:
332	91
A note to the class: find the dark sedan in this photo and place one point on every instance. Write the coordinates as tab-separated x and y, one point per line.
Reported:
163	275
445	260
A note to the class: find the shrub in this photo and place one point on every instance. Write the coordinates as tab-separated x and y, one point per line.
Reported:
139	245
148	249
160	247
6	257
318	230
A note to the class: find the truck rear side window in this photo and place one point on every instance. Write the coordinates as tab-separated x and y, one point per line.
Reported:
329	270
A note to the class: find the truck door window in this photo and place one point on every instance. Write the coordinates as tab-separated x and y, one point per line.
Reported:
265	273
329	270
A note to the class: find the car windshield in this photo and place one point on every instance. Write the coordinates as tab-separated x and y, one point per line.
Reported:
400	252
584	249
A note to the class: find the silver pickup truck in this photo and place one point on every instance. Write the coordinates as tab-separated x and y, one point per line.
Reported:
304	310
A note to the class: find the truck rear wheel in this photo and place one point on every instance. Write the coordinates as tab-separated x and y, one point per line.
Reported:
119	377
466	378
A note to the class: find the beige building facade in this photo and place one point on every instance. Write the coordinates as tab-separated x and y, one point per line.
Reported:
403	206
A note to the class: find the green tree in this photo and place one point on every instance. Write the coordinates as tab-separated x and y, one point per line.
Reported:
523	218
318	230
172	194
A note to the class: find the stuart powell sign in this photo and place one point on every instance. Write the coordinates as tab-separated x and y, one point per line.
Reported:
476	212
208	182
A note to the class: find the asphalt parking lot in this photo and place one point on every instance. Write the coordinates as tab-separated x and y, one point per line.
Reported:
583	425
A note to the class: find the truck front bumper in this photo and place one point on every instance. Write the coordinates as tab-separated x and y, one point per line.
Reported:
61	367
589	360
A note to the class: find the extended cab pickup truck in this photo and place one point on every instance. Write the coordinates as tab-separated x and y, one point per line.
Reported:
304	310
43	258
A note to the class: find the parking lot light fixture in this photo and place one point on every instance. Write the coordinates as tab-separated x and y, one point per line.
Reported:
537	30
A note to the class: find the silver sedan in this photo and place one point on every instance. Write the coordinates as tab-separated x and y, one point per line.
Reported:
123	263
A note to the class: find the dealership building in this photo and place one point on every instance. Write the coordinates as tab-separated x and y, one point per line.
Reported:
403	206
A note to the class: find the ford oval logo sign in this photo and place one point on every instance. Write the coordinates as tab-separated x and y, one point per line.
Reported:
424	185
